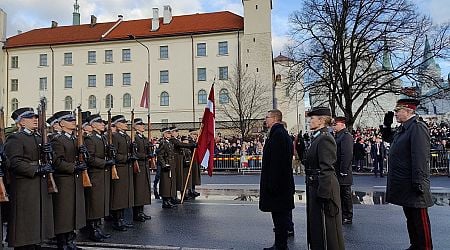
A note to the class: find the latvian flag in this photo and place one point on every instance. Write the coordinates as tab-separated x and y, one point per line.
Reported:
205	148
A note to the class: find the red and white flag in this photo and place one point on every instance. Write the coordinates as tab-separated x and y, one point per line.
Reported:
144	98
205	149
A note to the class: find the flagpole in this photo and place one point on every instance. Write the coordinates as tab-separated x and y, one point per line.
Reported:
190	165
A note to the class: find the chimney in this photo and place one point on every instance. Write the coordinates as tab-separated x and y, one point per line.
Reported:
93	20
120	17
155	19
167	14
19	32
54	24
76	13
2	25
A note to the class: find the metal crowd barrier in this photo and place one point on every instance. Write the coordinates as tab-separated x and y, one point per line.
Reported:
229	162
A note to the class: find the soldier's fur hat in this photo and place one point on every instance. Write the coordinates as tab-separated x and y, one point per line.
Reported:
319	111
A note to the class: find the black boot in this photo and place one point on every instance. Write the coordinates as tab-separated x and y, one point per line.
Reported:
155	193
146	216
61	242
137	216
94	234
102	233
71	237
166	203
119	223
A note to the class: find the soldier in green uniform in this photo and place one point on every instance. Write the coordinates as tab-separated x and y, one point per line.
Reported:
31	209
122	190
142	192
68	203
87	128
166	159
97	197
196	169
55	129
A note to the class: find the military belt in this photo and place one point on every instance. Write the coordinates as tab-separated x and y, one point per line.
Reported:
34	163
312	172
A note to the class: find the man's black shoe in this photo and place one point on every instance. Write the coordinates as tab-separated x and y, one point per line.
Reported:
94	235
175	201
167	204
195	194
147	217
102	233
128	224
140	217
118	227
347	221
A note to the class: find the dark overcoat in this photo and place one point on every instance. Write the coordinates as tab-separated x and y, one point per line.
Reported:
122	190
277	182
68	204
187	157
31	208
179	161
142	187
196	171
166	159
97	197
344	153
409	157
324	203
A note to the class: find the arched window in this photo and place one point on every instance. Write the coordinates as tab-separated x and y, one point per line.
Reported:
92	102
68	103
223	96
126	100
14	104
164	99
202	99
109	101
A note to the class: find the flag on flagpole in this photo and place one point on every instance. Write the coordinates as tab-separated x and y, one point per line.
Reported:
205	149
144	98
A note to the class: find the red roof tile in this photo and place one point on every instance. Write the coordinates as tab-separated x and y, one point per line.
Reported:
180	25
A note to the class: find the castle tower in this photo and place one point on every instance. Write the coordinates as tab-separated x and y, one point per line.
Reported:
256	48
428	67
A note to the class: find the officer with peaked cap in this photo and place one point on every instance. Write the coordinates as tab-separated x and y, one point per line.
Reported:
30	219
324	219
68	203
56	130
343	166
98	196
166	159
87	128
122	190
142	192
408	183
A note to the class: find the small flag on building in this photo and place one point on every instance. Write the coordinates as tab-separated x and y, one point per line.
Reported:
144	98
205	149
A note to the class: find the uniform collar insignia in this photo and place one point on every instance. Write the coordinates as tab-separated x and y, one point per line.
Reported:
68	135
98	135
27	131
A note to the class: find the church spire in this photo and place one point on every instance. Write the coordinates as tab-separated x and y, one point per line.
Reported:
386	57
76	13
428	58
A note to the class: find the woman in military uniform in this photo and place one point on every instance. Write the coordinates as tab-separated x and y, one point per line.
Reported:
324	219
68	203
142	192
166	159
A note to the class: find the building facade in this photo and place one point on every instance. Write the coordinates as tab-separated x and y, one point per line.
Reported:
104	66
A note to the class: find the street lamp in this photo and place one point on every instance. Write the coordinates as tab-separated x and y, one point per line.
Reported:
148	68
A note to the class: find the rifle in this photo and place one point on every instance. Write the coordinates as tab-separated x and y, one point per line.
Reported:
82	157
46	158
133	149
111	153
151	147
3	194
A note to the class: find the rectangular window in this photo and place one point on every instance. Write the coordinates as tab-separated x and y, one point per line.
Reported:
68	82
68	58
14	84
43	60
109	79
92	80
126	55
43	83
201	74
164	52
164	76
108	56
223	73
126	79
92	56
201	49
14	62
223	48
164	121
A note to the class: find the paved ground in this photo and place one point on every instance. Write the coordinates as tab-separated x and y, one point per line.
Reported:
226	216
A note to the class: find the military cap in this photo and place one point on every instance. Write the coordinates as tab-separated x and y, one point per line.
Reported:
23	113
84	116
173	128
118	118
318	111
51	120
94	118
164	130
138	121
63	115
340	119
407	103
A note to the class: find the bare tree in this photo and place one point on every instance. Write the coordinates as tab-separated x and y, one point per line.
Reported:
247	101
354	51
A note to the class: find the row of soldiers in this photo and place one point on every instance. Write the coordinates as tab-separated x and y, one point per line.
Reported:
118	168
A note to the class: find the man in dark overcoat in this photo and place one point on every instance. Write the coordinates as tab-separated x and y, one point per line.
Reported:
324	219
408	183
98	196
166	159
142	191
343	167
68	203
196	168
122	190
30	219
277	181
378	154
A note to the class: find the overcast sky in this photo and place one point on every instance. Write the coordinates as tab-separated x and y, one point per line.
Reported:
30	14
